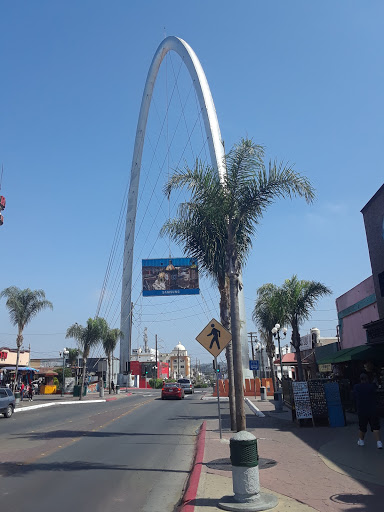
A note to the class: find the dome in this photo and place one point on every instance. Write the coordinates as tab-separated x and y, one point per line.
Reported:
179	346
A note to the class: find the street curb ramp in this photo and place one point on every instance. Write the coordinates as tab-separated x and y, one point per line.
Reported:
194	478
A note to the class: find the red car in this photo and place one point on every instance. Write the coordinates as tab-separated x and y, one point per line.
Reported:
172	390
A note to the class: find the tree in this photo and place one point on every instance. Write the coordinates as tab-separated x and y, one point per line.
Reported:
73	354
23	305
299	299
233	207
109	339
198	237
266	314
87	337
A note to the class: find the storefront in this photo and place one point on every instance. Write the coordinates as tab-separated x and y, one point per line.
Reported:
8	358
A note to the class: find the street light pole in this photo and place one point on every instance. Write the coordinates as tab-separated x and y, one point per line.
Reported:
276	334
65	353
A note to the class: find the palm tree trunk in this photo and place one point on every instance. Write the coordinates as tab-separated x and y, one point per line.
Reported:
19	341
224	318
83	378
109	373
236	341
296	344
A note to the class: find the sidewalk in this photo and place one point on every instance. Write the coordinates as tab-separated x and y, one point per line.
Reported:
309	468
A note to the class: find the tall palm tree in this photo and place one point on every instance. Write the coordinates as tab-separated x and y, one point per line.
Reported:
299	299
23	305
266	314
109	339
198	237
234	207
87	337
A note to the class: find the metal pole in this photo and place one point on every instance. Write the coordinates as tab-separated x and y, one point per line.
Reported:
218	396
281	359
62	387
157	370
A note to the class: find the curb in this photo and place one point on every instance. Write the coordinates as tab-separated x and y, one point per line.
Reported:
254	409
194	478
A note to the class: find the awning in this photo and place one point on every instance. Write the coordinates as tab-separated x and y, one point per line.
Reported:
361	353
21	368
289	360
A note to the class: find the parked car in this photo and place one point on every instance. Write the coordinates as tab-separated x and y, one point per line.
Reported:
172	390
7	402
187	385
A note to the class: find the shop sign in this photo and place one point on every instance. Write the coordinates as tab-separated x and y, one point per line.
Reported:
302	400
325	368
3	355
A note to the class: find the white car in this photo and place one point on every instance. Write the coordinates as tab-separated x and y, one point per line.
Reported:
187	385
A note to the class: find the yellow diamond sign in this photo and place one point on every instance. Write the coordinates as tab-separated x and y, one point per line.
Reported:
214	337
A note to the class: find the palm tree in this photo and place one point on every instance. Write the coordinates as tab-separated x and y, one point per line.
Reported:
198	237
109	339
299	299
266	314
23	305
234	207
87	337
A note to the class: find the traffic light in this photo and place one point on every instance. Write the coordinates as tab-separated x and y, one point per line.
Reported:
214	367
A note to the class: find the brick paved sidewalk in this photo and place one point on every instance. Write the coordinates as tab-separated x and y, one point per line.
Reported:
310	468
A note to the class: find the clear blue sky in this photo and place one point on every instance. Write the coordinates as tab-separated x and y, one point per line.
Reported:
305	79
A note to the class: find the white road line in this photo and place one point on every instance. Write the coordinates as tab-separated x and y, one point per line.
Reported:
30	407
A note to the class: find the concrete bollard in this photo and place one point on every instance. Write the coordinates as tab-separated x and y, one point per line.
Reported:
278	398
263	393
245	477
101	391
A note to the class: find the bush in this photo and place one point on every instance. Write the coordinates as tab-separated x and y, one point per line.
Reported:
156	383
201	385
56	382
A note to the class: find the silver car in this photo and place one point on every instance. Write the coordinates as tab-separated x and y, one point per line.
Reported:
187	385
7	402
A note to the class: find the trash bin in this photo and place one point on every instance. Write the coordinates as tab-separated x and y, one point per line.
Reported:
77	388
17	397
117	389
263	393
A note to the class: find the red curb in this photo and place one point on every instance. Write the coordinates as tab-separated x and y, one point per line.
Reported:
194	479
115	397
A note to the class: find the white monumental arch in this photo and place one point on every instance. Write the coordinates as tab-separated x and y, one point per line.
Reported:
216	150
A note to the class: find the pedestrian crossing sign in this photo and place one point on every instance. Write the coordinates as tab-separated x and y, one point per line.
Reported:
214	337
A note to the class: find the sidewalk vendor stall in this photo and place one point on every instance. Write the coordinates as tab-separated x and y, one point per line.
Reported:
48	387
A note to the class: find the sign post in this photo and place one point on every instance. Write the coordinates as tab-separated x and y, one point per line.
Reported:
218	395
214	338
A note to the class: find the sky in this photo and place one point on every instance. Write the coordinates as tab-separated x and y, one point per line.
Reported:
304	79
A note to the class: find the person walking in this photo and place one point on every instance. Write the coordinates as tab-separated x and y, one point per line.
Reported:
365	397
22	391
112	386
30	392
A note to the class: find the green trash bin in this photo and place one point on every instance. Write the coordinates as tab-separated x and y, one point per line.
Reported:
76	390
17	397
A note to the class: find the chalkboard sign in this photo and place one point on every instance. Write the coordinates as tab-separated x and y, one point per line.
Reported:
318	400
302	400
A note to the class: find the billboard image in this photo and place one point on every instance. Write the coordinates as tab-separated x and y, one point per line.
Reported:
170	276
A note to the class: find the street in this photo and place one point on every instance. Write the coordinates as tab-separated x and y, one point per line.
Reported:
132	454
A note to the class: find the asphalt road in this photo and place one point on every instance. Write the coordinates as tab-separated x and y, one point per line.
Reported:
133	454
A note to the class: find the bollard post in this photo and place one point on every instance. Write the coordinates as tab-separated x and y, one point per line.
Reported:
245	477
278	398
101	388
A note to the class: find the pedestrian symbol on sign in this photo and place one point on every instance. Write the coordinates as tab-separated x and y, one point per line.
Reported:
215	333
214	337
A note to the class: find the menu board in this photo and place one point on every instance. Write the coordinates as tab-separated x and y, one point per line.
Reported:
302	400
318	400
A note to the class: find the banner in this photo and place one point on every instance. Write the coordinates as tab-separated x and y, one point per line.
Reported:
170	276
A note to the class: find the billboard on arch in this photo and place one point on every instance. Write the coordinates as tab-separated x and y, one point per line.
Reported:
170	276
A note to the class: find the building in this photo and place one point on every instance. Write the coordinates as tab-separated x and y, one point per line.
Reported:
355	308
373	214
179	362
8	362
